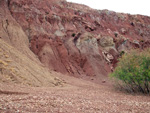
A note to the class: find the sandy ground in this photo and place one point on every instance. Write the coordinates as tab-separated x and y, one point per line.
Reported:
77	96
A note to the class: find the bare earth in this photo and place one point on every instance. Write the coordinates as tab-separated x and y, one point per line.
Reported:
77	96
49	26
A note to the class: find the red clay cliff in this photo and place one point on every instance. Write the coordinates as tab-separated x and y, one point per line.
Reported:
77	40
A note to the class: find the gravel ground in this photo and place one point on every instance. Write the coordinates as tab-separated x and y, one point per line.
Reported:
77	97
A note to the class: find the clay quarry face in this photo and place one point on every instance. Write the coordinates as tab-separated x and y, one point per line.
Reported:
74	39
55	56
71	39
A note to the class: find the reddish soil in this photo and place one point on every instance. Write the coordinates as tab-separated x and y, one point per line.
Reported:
71	39
78	96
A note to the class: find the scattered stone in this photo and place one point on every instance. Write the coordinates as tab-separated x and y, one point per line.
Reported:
123	31
106	41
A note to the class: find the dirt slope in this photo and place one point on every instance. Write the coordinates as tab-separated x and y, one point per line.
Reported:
18	68
18	64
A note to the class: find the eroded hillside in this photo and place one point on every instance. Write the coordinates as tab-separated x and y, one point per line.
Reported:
42	41
71	38
17	62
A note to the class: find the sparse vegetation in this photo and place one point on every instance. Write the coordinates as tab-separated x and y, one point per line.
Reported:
133	71
122	53
141	40
73	34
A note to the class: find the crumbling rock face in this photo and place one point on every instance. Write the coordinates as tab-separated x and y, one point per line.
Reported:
77	40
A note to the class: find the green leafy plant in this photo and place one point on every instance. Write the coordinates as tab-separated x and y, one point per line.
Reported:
133	71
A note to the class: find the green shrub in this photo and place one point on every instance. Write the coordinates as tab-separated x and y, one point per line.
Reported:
122	53
133	71
73	34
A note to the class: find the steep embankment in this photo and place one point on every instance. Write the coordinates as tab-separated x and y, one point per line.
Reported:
17	63
77	40
67	38
71	38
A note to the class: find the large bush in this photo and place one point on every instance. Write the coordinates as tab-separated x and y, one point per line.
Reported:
133	71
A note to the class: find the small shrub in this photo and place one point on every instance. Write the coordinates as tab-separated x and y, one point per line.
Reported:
116	34
133	71
73	34
141	40
122	53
